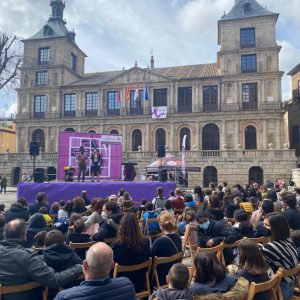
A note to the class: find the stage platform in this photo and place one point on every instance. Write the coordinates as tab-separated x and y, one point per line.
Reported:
56	191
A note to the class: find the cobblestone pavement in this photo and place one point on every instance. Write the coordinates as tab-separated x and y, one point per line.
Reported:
9	197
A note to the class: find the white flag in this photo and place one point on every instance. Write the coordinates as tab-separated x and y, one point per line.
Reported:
136	93
183	154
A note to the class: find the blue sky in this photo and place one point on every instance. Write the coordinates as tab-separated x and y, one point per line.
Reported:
116	33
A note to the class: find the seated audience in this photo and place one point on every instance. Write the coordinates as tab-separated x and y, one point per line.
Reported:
131	248
168	206
127	201
272	195
159	201
77	236
23	202
178	285
41	201
252	266
2	223
84	196
98	284
291	213
281	251
109	227
46	216
153	227
39	240
120	196
198	197
172	196
55	207
17	211
178	203
36	224
242	227
78	205
192	223
214	208
95	218
57	254
65	211
246	206
19	265
233	204
266	208
210	275
166	245
295	236
189	201
183	220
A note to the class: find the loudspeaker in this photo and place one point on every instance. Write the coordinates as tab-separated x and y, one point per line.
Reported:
34	149
161	151
39	175
162	175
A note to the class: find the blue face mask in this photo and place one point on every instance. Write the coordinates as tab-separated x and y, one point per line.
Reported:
205	225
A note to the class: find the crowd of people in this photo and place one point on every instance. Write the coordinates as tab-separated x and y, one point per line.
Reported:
37	243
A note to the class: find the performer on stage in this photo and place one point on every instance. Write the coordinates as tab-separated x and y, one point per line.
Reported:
81	158
96	159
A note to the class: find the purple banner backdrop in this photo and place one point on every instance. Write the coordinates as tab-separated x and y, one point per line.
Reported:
56	191
110	147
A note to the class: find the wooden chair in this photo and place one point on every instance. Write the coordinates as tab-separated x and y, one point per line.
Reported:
151	236
82	245
260	240
6	290
125	269
290	272
271	285
164	260
218	250
186	243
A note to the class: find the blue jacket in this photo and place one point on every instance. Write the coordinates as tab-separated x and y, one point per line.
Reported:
109	289
153	228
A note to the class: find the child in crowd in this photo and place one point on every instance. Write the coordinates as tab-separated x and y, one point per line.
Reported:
46	216
177	280
54	210
242	227
153	227
189	201
143	205
39	240
168	206
159	201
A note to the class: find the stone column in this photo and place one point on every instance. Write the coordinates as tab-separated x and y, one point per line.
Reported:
223	135
200	100
147	138
278	139
264	135
195	98
125	137
171	140
236	135
197	137
102	107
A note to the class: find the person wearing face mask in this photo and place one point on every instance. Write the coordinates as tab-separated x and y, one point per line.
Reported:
212	233
266	208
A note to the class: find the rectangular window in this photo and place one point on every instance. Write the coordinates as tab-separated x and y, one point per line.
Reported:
185	99
295	135
42	78
160	97
248	63
113	105
39	106
210	98
70	105
247	36
249	96
91	104
136	106
73	61
44	55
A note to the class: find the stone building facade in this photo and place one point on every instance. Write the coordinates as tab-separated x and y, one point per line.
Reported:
7	136
231	111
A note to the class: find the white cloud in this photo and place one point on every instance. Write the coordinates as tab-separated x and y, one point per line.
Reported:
116	33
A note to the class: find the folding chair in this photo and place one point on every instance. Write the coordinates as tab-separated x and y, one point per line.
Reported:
290	272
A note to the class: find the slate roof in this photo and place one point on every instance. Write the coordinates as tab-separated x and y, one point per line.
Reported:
294	70
170	73
247	9
58	27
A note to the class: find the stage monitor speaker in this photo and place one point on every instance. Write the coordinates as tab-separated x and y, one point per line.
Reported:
161	151
39	175
162	175
34	149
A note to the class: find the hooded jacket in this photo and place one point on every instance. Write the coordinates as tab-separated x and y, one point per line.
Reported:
36	224
172	294
61	257
109	228
16	211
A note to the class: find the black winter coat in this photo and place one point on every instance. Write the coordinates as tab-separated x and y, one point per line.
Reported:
16	211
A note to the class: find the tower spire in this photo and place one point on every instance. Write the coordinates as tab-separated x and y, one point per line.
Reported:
58	7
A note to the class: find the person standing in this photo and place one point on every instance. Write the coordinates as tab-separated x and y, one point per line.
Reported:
3	184
96	159
81	158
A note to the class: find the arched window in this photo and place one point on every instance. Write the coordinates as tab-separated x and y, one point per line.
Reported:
91	131
160	137
210	174
114	131
210	137
39	136
185	131
70	130
256	174
136	139
250	137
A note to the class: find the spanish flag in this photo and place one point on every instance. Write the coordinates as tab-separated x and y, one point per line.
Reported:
127	92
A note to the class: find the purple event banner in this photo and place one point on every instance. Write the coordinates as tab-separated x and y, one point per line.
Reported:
110	147
56	191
